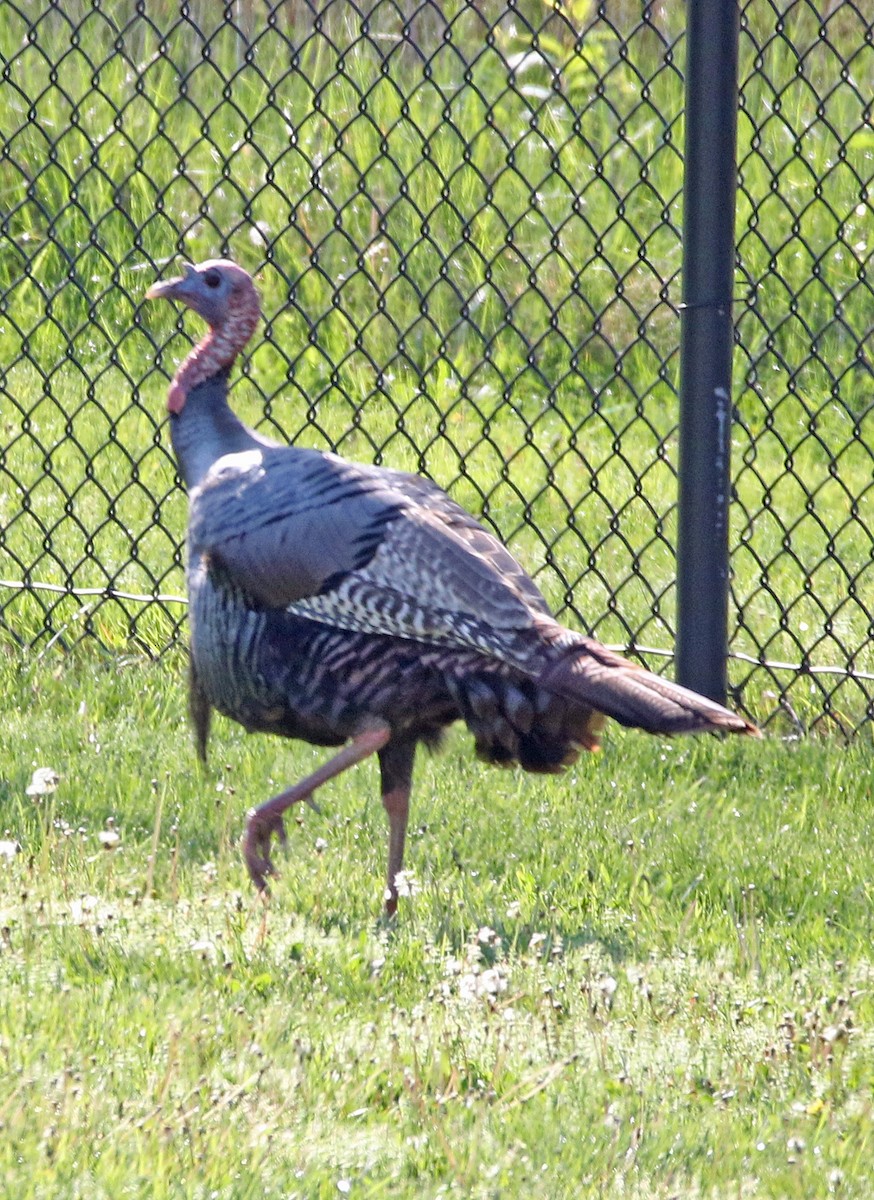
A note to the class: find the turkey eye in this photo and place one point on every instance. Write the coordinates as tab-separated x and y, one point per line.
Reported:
212	279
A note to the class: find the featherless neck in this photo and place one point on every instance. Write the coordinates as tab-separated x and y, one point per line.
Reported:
213	354
206	428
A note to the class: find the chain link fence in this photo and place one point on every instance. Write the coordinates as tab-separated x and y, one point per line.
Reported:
466	224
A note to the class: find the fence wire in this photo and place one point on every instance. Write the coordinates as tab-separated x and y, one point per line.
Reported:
466	224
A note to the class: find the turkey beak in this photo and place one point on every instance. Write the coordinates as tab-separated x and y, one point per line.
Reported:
182	288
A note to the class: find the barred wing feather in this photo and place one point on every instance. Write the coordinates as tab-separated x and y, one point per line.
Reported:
361	548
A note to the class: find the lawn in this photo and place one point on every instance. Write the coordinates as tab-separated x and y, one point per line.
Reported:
651	977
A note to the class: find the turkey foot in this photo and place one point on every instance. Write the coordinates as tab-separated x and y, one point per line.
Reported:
264	821
256	847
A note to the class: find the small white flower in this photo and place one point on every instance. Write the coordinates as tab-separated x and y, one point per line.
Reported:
83	908
407	885
321	845
476	984
43	781
832	1034
492	982
608	986
109	838
9	848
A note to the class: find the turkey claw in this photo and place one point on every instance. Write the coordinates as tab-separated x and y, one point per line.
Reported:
260	828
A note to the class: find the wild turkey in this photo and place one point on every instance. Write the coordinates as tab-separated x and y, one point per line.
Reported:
342	603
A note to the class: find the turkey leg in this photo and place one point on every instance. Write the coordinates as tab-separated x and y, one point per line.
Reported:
396	766
264	821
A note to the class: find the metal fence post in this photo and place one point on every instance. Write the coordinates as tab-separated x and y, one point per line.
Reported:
706	344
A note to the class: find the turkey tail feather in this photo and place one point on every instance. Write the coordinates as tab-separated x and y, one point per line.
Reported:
590	673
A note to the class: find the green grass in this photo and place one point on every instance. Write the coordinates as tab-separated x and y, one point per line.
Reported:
650	977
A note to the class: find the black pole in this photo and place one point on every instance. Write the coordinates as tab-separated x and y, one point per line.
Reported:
706	344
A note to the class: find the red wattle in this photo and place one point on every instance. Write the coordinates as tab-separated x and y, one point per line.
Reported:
175	397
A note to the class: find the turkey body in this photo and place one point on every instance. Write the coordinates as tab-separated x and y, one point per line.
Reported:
349	605
260	659
282	674
274	672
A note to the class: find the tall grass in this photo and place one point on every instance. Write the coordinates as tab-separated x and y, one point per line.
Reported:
466	228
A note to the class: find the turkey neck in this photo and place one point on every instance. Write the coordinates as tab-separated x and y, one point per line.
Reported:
206	428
